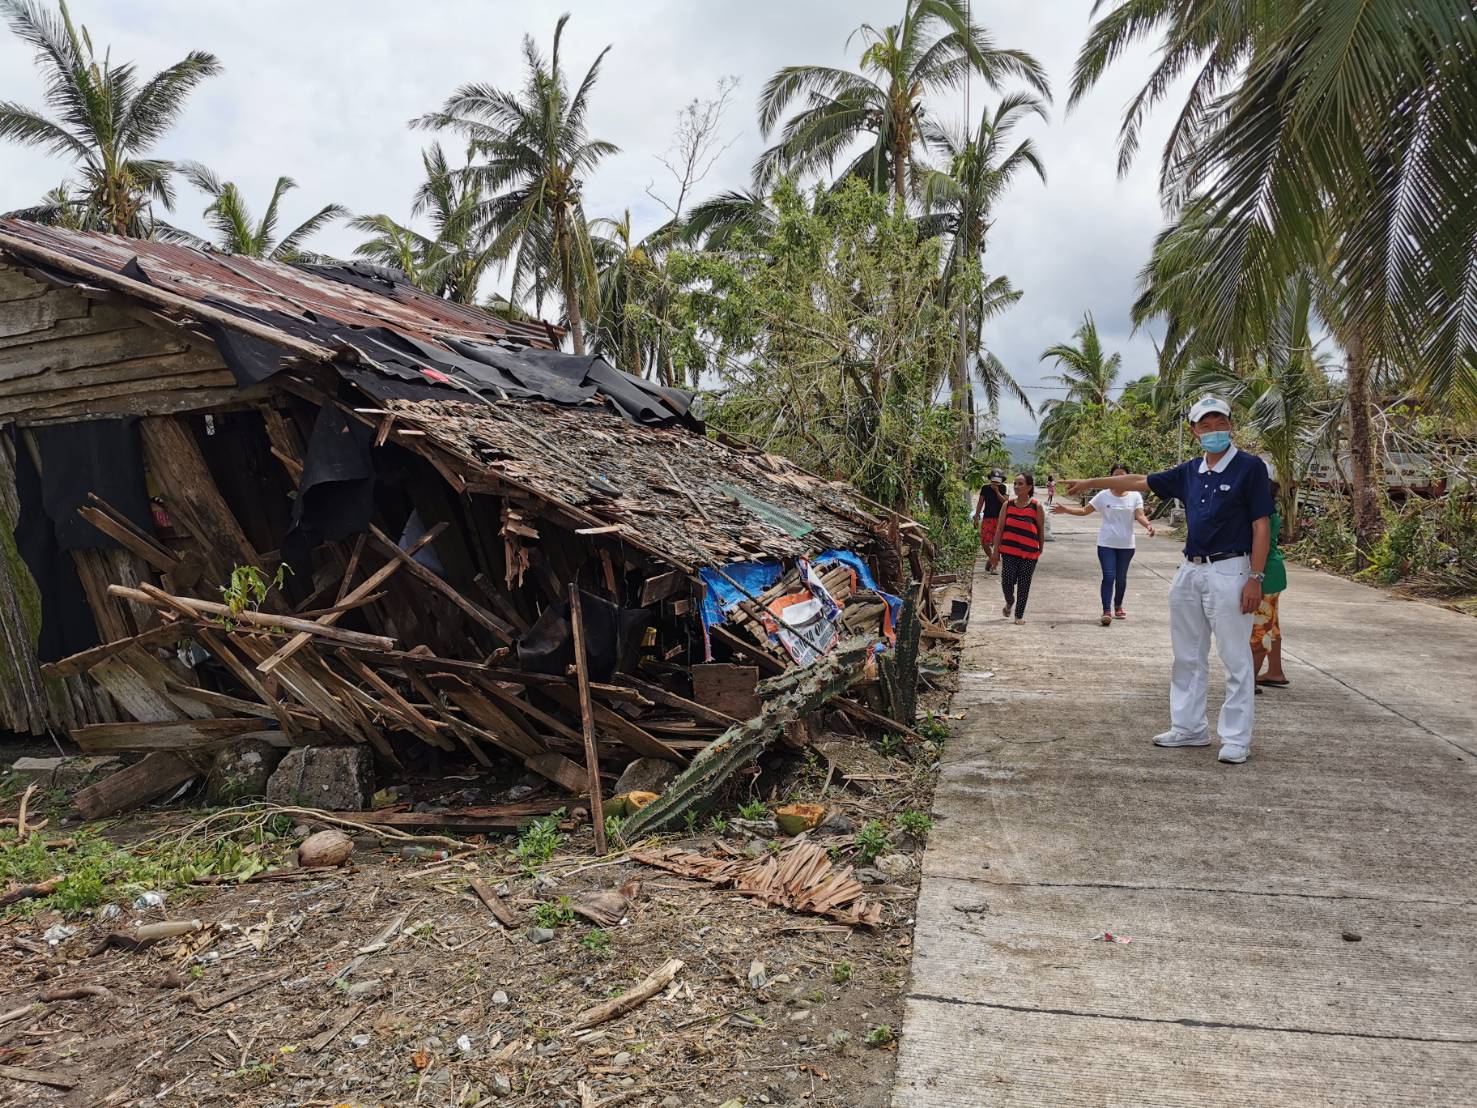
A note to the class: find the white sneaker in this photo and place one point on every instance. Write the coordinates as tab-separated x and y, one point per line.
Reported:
1174	738
1234	755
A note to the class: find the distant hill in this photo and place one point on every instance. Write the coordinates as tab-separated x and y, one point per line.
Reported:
1022	449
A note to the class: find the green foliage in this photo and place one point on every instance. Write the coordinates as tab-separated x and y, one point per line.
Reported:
753	809
717	825
613	825
841	972
917	824
534	150
934	728
1429	546
871	841
554	913
890	743
236	231
1101	436
596	941
539	840
828	340
249	587
93	870
879	1036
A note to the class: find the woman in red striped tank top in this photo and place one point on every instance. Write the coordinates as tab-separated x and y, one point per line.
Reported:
1018	545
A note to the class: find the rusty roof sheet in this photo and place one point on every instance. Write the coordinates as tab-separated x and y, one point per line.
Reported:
253	284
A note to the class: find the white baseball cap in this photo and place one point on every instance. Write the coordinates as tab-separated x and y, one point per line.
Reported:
1207	404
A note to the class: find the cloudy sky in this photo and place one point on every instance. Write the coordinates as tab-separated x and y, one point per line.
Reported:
321	92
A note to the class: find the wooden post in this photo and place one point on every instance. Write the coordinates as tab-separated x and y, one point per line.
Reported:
587	717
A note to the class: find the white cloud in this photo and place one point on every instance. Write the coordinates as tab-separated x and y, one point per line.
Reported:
322	92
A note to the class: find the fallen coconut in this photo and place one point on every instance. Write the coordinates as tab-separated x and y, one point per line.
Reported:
323	849
795	818
628	804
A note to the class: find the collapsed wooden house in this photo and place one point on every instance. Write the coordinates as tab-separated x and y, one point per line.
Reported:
313	505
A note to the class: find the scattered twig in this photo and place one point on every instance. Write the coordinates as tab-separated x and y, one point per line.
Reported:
75	992
631	998
319	1042
215	1000
26	892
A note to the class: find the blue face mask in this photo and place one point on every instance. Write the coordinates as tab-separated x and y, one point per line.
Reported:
1215	442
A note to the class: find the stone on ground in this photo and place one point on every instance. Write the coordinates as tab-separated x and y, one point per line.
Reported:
335	778
240	771
646	775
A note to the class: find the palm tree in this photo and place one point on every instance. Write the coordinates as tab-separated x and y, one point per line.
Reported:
934	48
452	261
1285	395
1332	134
719	222
1088	377
633	291
959	203
537	151
106	119
237	233
58	208
1089	373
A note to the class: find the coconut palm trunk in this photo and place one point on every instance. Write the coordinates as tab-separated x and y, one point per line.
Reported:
1362	453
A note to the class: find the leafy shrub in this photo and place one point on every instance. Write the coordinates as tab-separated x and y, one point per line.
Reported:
539	840
916	824
871	841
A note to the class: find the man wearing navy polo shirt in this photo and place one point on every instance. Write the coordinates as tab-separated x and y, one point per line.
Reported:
1228	507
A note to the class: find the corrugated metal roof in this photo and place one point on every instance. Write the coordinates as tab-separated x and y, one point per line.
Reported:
252	284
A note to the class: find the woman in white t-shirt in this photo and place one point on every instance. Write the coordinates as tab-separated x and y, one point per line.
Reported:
1114	541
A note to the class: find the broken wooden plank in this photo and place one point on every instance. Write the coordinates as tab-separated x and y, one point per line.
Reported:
183	734
84	660
156	598
587	717
617	726
317	1043
478	614
38	1077
630	999
145	780
372	582
691	707
660	587
727	689
560	770
503	914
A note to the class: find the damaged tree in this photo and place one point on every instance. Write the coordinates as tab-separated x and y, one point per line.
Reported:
787	698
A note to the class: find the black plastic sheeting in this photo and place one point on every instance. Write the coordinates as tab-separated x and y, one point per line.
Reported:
102	456
335	497
493	370
611	633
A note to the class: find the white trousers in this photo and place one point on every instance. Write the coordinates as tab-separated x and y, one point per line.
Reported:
1205	601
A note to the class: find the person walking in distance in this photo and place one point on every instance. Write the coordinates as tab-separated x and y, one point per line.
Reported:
1017	545
1228	508
987	509
1115	543
1051	488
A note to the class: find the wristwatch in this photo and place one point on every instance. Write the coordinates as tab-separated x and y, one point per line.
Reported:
1257	576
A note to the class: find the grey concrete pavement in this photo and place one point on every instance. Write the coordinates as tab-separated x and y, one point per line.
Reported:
1058	820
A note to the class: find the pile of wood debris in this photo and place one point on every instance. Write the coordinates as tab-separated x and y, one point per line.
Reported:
373	545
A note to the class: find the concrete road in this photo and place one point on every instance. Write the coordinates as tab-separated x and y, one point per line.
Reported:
1056	820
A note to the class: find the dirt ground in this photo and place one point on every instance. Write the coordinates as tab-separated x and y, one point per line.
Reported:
387	982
